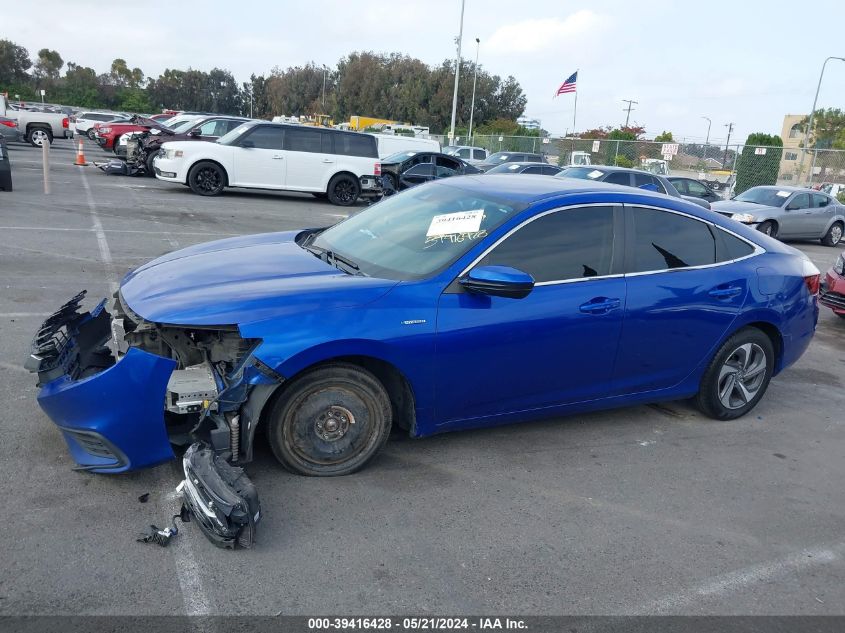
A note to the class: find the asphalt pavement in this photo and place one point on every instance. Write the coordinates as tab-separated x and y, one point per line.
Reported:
650	509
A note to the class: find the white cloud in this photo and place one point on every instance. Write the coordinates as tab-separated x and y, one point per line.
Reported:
543	34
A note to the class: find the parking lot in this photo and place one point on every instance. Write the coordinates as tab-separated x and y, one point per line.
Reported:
652	509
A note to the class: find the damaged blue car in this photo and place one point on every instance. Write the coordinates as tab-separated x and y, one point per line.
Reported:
464	303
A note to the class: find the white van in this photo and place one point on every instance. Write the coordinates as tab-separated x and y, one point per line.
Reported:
390	144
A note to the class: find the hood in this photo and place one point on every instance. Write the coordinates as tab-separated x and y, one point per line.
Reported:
241	280
727	207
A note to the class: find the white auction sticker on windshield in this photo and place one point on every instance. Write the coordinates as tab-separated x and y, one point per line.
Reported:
783	194
461	222
594	174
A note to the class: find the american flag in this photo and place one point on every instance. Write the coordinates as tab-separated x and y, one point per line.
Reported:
568	85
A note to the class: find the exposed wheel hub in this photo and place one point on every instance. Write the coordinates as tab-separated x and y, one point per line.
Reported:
333	423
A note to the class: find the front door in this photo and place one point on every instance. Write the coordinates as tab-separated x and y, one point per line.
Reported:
259	160
557	345
795	221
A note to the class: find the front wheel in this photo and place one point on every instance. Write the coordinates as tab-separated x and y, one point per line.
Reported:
768	227
330	421
343	190
149	162
91	134
738	375
206	179
833	235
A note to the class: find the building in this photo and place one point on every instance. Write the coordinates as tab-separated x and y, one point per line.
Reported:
790	161
529	124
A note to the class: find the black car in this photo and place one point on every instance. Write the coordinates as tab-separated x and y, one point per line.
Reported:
629	178
406	169
543	169
695	188
509	157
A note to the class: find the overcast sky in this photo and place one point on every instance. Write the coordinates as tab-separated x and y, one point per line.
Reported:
744	61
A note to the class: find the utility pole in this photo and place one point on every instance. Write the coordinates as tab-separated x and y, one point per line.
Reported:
628	109
457	75
707	142
730	127
474	77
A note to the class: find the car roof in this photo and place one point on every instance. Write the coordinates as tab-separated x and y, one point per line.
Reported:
528	163
792	189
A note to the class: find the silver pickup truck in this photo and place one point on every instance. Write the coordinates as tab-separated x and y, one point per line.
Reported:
36	127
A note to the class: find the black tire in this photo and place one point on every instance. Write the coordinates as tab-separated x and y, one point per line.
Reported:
36	135
769	228
840	315
718	386
329	421
344	190
833	235
207	179
149	162
320	195
91	134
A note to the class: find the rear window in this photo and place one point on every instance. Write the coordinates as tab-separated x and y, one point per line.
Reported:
351	144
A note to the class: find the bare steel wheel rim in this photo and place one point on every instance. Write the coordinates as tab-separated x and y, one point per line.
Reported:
742	376
39	136
835	234
333	423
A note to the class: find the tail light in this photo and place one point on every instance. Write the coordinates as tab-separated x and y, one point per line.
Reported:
812	276
377	169
9	123
64	122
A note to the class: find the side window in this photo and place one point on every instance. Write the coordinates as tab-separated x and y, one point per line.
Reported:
549	170
820	201
568	244
419	158
420	169
228	126
265	137
684	187
801	201
729	247
696	188
479	154
446	167
210	128
645	179
664	240
303	139
619	178
464	152
353	144
533	169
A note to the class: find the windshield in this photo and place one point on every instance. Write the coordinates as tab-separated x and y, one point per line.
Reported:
416	233
768	196
498	157
398	157
234	135
584	173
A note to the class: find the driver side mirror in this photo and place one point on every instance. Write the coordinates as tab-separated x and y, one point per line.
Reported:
247	143
195	132
498	281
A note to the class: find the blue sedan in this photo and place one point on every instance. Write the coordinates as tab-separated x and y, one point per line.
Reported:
464	303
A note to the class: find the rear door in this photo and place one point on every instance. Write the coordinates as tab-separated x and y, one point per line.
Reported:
822	211
680	302
308	160
258	159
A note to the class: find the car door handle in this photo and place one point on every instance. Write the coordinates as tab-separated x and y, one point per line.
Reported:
278	157
725	293
600	305
328	160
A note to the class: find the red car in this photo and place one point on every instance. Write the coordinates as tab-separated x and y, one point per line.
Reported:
832	292
106	134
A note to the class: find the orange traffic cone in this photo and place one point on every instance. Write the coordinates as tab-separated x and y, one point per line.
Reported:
80	156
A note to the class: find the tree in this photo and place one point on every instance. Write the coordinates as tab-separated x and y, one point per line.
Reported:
80	86
121	75
135	100
664	137
828	128
14	62
49	65
753	169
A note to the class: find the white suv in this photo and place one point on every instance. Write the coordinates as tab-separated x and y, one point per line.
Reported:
85	121
260	155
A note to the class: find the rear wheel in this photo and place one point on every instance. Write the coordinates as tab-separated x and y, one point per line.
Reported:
91	134
738	375
833	235
769	228
330	421
343	190
38	135
206	179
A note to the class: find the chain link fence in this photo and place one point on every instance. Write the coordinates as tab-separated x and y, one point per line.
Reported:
729	170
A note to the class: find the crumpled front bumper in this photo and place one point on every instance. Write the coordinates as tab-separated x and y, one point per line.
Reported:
110	412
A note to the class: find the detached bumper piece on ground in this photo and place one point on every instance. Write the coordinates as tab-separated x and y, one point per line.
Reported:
111	415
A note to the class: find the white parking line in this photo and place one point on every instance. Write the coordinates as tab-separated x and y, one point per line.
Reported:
21	315
766	572
91	230
187	571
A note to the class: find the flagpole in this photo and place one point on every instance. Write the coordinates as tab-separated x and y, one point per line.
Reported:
575	111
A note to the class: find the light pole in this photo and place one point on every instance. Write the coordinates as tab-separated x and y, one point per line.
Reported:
812	114
457	74
707	142
474	77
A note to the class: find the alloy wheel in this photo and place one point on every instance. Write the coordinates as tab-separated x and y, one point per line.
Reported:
208	179
742	376
835	234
